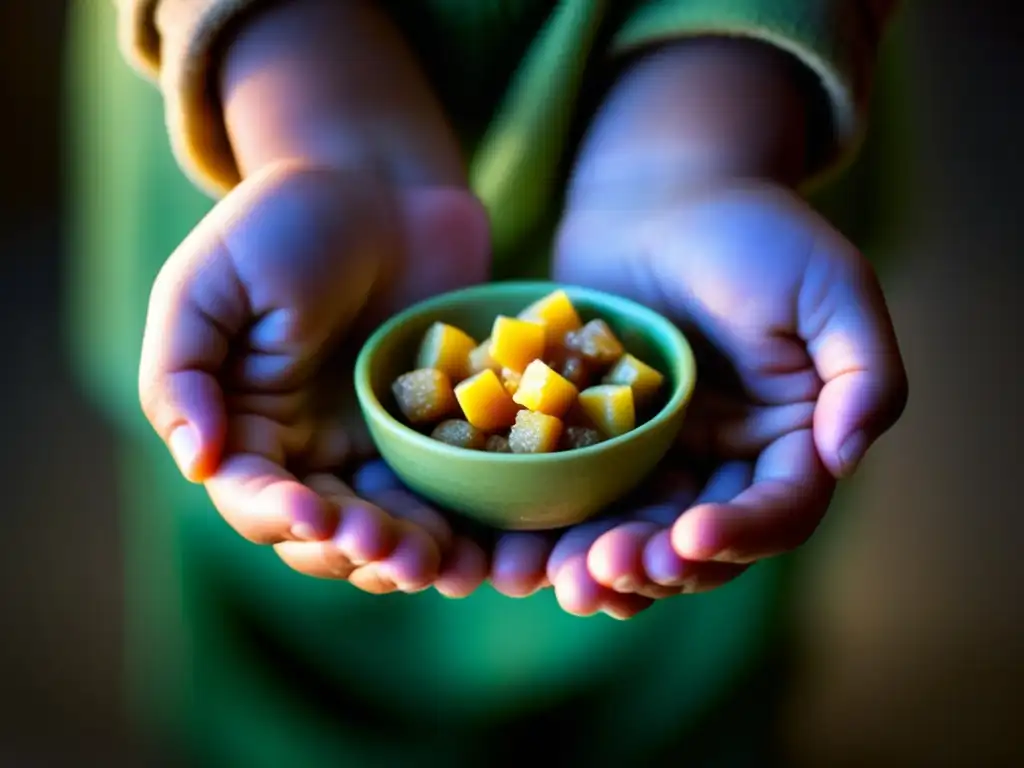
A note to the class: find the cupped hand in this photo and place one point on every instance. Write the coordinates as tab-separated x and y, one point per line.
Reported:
252	330
798	374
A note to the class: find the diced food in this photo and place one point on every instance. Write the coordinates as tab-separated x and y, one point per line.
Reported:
610	408
461	434
446	348
575	369
535	385
579	437
516	343
480	359
425	396
596	344
485	402
642	378
543	391
534	433
497	444
555	313
511	380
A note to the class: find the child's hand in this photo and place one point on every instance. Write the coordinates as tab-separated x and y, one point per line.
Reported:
798	366
246	366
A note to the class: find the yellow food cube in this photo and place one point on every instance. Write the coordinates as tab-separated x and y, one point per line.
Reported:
511	380
447	349
485	402
480	359
644	380
610	408
556	313
424	395
534	433
544	391
461	434
516	343
579	437
596	343
497	444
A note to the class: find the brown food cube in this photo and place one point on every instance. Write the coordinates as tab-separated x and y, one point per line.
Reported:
534	433
574	368
497	444
596	343
447	349
424	396
461	434
579	437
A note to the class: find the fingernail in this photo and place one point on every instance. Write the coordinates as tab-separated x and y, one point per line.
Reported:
184	445
851	453
615	614
625	584
304	532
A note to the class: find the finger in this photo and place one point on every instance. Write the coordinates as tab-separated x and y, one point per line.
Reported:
615	559
575	542
789	495
365	532
266	504
845	322
463	569
576	590
412	567
728	428
375	482
659	561
520	561
626	606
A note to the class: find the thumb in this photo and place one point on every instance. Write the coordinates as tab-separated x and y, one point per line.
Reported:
845	323
196	308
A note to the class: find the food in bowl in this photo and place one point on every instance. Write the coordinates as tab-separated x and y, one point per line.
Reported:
542	382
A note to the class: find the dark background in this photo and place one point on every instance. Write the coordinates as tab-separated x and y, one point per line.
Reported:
914	627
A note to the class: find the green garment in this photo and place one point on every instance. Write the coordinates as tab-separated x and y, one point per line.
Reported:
254	665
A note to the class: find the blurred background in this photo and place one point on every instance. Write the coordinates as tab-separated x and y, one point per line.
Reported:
912	630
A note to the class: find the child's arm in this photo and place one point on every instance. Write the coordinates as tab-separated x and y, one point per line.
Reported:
342	185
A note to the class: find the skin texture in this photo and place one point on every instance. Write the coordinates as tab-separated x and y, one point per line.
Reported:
680	197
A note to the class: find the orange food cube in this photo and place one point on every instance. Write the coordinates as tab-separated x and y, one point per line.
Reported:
511	380
544	391
579	437
534	433
610	408
447	349
497	444
424	395
595	343
556	313
480	359
516	343
485	402
461	434
642	378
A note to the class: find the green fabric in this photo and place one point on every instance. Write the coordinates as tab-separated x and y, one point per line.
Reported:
259	666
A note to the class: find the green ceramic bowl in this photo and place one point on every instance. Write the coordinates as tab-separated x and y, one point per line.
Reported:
514	491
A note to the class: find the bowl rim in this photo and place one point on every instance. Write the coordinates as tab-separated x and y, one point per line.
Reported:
680	350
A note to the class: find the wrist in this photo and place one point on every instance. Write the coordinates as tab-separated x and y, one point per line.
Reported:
693	114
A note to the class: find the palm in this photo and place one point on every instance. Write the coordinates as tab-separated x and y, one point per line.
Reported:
730	269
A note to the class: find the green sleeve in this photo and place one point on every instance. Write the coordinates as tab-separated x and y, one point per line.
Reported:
836	40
